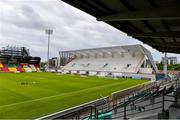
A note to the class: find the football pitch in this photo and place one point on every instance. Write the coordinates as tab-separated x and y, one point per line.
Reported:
33	95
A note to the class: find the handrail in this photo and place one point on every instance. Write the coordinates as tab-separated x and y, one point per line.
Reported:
116	99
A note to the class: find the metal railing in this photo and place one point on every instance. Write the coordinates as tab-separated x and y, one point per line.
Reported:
121	106
125	112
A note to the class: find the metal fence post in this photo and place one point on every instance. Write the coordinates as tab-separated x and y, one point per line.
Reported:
163	100
125	110
78	114
91	113
95	113
176	83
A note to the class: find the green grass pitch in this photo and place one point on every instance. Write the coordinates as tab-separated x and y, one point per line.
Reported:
32	95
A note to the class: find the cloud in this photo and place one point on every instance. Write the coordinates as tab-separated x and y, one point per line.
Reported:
23	23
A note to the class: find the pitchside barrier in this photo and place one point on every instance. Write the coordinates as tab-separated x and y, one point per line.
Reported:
107	104
150	86
68	113
103	107
109	100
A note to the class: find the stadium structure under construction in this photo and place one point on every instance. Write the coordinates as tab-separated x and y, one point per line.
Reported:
18	59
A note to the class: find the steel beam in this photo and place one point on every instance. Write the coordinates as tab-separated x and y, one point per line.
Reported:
170	34
164	44
149	14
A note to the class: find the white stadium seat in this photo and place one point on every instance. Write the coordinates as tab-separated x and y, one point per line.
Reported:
115	60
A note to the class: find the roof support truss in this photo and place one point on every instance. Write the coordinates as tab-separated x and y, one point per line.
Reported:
170	34
166	44
150	14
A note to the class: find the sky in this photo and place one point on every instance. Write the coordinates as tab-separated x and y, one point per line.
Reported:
23	23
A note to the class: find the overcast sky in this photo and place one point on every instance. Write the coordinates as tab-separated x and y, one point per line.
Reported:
23	23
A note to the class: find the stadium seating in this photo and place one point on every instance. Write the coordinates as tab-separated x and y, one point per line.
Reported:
5	68
38	70
100	116
19	68
1	65
119	64
26	67
11	67
37	66
33	68
120	61
12	57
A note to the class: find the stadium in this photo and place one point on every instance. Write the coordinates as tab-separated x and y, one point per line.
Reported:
115	82
121	61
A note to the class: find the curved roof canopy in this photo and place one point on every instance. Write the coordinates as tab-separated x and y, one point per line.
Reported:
128	49
154	22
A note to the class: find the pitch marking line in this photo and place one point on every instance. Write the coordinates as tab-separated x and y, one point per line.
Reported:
29	101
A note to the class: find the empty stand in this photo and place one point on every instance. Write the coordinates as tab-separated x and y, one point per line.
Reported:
11	67
105	61
19	68
17	59
33	68
118	64
1	65
26	67
5	68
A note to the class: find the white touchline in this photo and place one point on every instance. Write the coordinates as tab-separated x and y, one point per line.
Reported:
28	101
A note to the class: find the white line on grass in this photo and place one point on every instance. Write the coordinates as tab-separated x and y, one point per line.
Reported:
44	117
28	101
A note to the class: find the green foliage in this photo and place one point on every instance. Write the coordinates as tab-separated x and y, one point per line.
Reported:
32	95
174	67
160	66
43	64
170	67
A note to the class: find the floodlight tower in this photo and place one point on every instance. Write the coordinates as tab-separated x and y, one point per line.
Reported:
48	32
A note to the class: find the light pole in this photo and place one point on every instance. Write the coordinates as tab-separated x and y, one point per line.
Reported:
165	65
48	32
